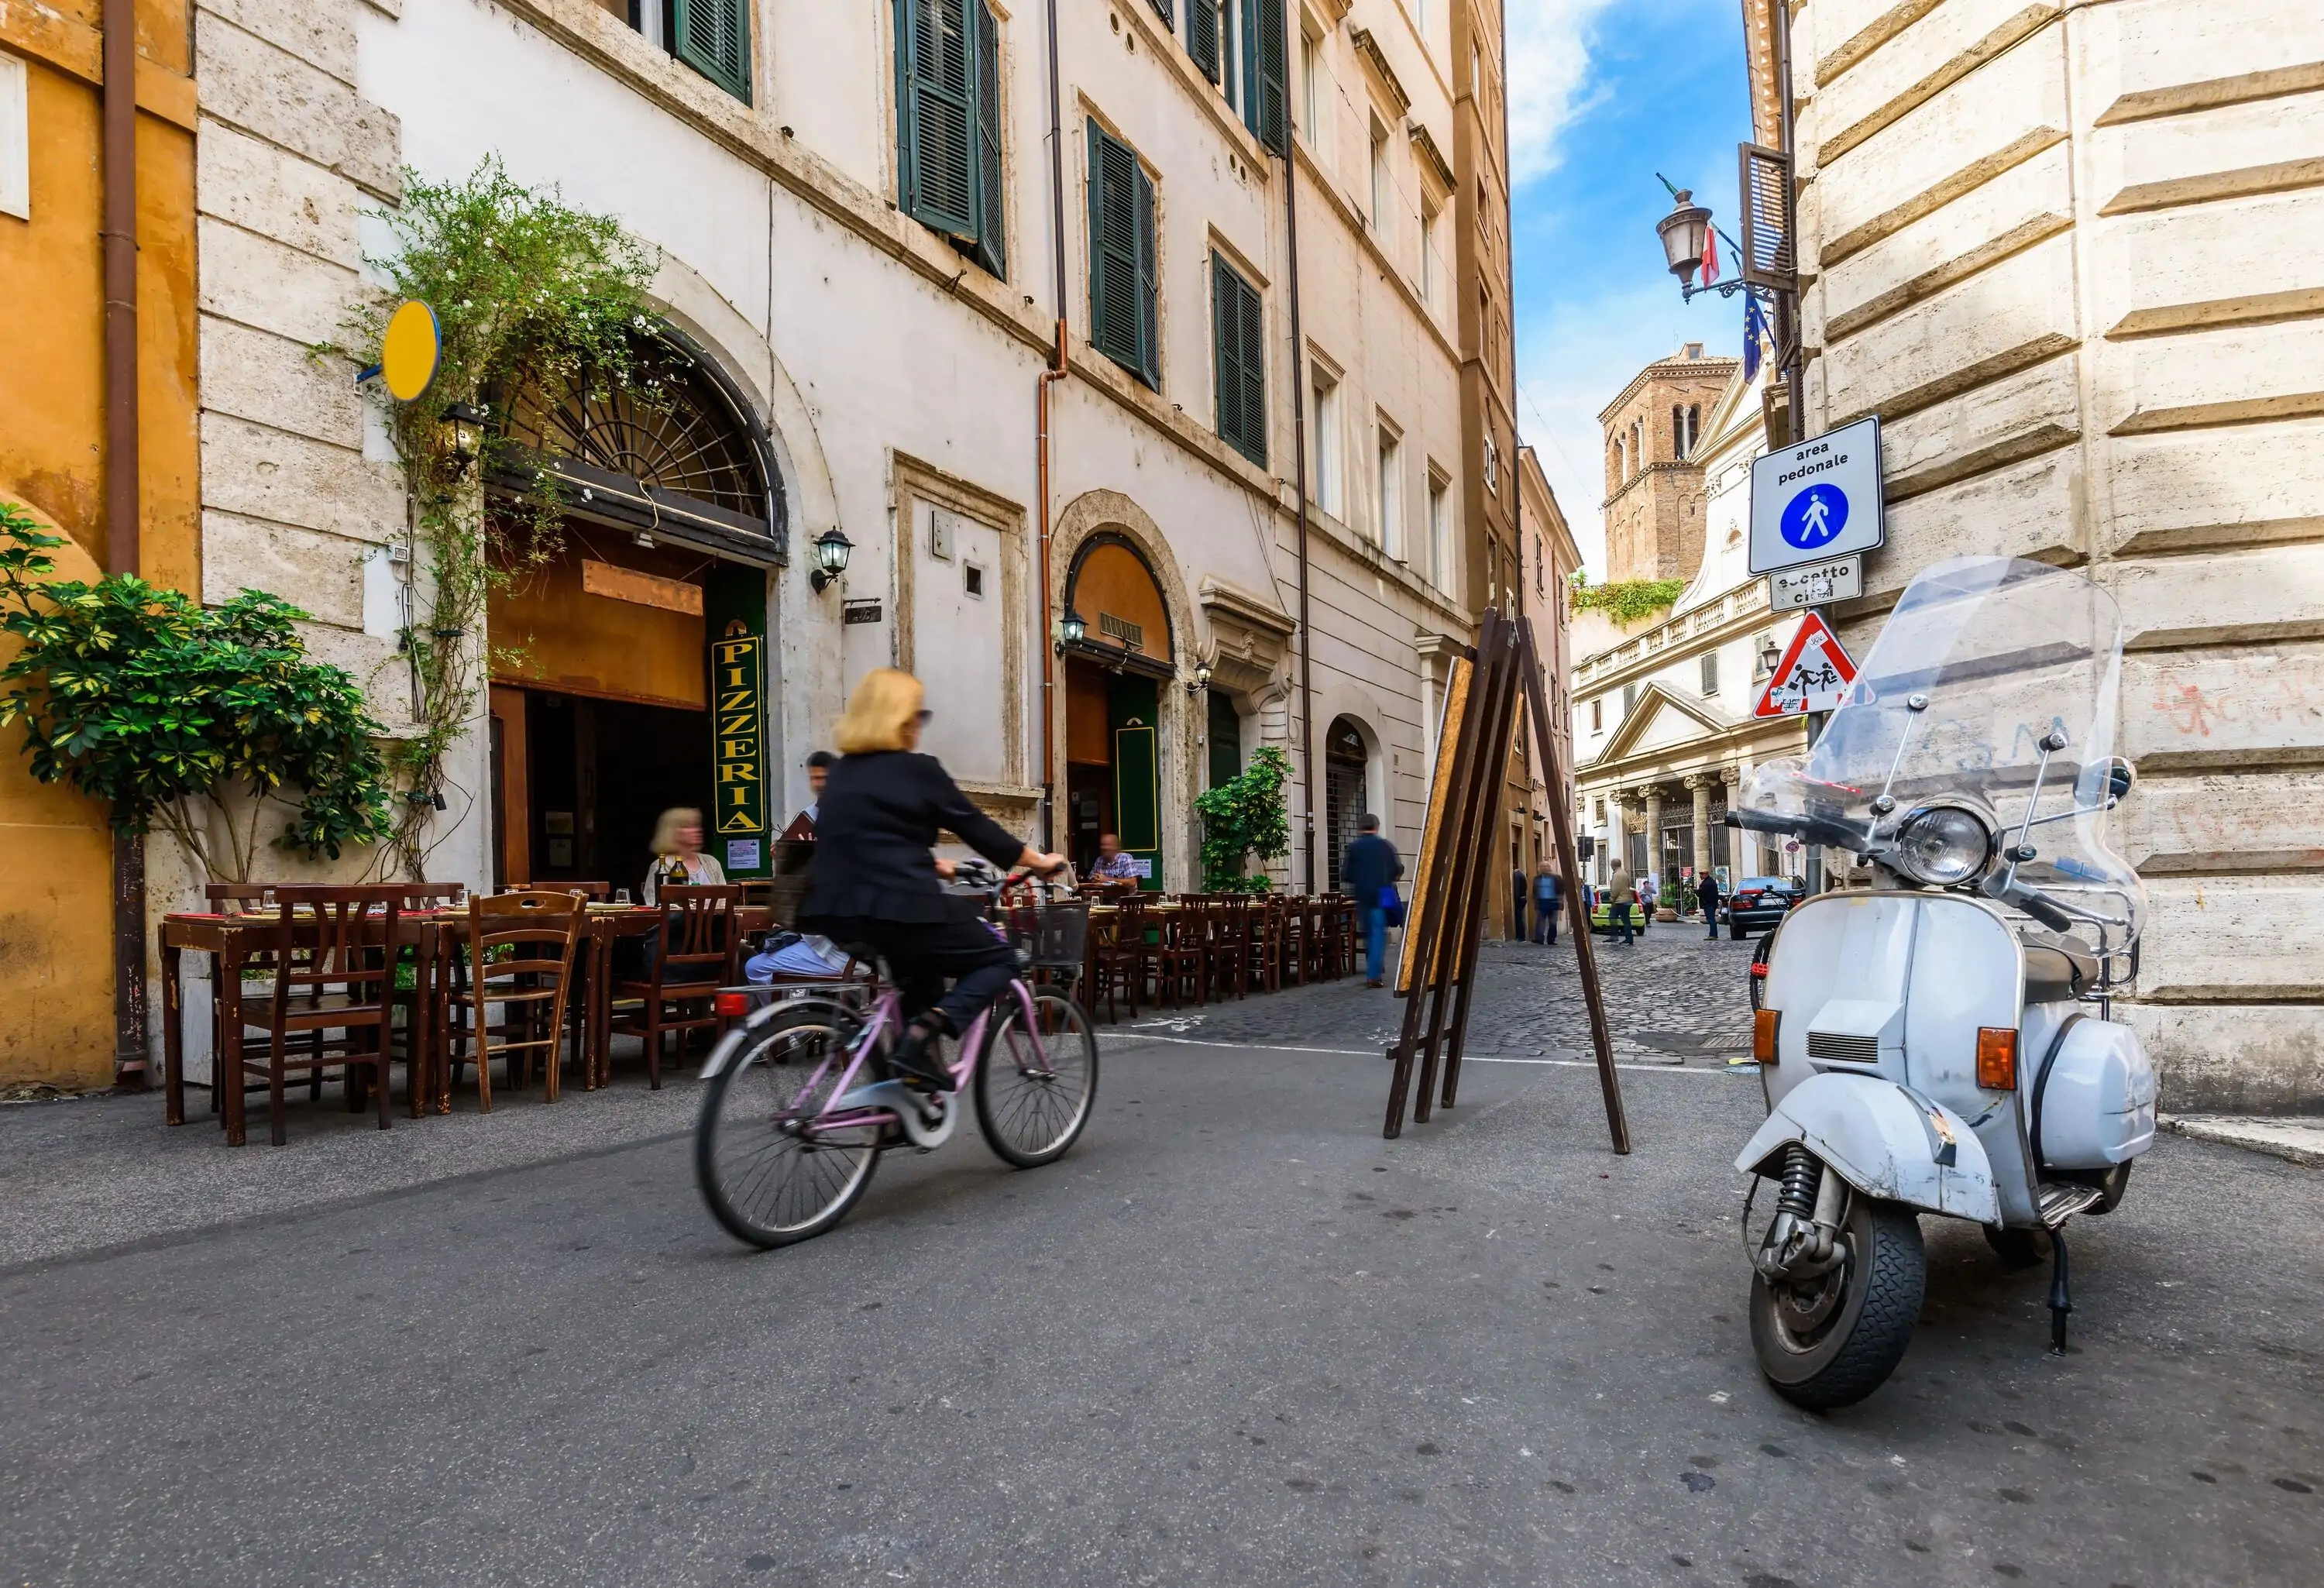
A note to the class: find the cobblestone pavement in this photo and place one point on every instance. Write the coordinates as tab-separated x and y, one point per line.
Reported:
1233	1338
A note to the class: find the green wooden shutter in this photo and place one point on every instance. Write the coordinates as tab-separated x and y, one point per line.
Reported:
935	119
1113	249
1254	370
1203	36
1240	362
1226	337
1272	122
1162	10
714	38
1149	342
992	249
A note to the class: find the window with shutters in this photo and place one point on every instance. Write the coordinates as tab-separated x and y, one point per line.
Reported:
948	162
1239	361
712	36
1265	97
1323	426
1121	246
1203	38
1388	490
1710	672
1440	528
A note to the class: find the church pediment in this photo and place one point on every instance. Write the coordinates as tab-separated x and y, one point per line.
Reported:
1660	720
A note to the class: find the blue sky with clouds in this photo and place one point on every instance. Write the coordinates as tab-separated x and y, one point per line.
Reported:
1603	94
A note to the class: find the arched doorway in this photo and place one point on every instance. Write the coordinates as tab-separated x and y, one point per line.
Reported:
1347	754
613	642
1114	673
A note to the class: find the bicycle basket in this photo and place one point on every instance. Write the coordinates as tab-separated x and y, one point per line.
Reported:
1051	935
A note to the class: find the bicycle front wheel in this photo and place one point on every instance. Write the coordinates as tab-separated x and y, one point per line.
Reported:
770	1175
1035	1084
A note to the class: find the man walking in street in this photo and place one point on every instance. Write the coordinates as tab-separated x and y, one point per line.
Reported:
1369	866
1621	891
1545	900
1706	889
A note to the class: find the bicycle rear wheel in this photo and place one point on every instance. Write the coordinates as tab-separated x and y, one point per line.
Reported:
767	1176
1033	1097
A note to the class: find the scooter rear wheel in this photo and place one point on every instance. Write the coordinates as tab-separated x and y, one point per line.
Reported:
1820	1349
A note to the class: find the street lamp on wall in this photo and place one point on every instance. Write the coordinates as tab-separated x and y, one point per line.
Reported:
1071	629
1200	679
831	548
1685	233
467	421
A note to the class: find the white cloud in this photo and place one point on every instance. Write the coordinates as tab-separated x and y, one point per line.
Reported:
1572	360
1549	78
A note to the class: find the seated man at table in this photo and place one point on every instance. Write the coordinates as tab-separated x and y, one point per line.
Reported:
1113	871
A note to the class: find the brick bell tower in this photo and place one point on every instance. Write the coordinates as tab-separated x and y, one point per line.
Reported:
1654	485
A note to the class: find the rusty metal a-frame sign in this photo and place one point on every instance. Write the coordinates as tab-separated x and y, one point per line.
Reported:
1437	967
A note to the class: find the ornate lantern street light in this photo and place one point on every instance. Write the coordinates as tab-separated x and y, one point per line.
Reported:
831	549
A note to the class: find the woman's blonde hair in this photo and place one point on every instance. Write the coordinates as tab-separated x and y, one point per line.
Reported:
882	707
665	838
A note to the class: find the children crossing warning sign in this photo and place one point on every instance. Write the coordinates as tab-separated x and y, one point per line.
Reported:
1813	676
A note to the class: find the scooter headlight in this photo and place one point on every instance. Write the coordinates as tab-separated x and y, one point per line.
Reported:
1943	846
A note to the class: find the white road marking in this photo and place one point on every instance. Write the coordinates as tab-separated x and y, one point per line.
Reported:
1576	1064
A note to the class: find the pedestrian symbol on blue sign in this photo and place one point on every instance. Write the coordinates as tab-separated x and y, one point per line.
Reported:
1814	516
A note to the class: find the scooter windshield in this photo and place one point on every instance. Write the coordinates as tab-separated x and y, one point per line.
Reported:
1992	690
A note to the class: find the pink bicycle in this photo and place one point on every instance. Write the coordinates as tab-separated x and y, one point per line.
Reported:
797	1106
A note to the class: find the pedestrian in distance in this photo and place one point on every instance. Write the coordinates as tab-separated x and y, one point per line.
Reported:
1621	891
1545	900
1369	868
1518	903
1706	889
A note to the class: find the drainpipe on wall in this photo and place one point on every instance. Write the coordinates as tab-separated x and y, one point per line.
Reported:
119	65
1299	470
1057	371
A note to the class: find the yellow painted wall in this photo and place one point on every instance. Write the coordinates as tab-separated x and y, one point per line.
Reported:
56	957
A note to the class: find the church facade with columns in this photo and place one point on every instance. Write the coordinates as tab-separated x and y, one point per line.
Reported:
1663	731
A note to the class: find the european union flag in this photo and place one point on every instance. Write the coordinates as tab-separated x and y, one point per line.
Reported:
1755	327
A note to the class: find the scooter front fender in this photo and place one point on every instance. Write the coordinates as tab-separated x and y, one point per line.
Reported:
1888	1141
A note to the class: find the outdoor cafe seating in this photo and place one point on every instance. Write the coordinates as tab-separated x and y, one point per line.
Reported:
461	996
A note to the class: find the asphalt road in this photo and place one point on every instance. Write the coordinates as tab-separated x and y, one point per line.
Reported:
1234	1338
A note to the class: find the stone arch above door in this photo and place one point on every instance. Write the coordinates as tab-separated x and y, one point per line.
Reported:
1096	512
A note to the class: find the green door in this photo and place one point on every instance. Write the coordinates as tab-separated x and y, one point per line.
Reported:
1130	712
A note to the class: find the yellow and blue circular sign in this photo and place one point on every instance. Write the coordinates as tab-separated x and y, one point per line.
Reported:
409	350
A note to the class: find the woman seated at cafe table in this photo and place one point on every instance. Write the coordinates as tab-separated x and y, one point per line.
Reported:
678	858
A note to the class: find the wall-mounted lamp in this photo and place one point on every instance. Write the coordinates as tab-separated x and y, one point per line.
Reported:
1769	657
1201	681
831	548
1071	629
467	421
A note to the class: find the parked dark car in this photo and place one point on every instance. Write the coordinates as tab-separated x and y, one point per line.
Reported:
1758	904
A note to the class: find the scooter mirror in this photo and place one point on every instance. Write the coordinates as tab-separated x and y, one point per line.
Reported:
2120	776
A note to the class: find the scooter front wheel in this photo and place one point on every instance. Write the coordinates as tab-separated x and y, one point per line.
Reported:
1833	1339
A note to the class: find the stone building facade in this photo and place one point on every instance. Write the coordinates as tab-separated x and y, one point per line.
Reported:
2073	256
879	380
1550	560
1654	479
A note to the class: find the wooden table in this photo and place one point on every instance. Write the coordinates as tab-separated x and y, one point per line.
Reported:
435	938
230	940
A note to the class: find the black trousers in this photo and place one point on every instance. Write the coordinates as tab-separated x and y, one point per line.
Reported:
922	955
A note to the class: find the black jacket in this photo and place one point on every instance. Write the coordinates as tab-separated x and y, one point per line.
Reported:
1706	889
880	816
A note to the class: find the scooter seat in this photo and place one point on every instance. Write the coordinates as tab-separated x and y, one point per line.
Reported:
2054	976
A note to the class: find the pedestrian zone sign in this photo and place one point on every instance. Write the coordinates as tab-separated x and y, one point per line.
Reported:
1813	676
1819	501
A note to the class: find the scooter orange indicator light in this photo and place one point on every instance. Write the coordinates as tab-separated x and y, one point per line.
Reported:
1763	1034
1997	1058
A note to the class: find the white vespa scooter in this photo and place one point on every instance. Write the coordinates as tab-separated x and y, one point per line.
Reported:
1938	1042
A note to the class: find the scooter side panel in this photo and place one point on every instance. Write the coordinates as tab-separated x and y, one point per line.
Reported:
1969	971
1885	1141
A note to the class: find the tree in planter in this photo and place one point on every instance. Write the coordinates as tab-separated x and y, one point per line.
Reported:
139	696
1245	816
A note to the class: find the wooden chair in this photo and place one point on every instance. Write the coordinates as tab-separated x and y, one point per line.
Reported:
239	897
1230	960
595	892
1294	937
341	979
520	958
1262	944
694	953
1177	955
1118	961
